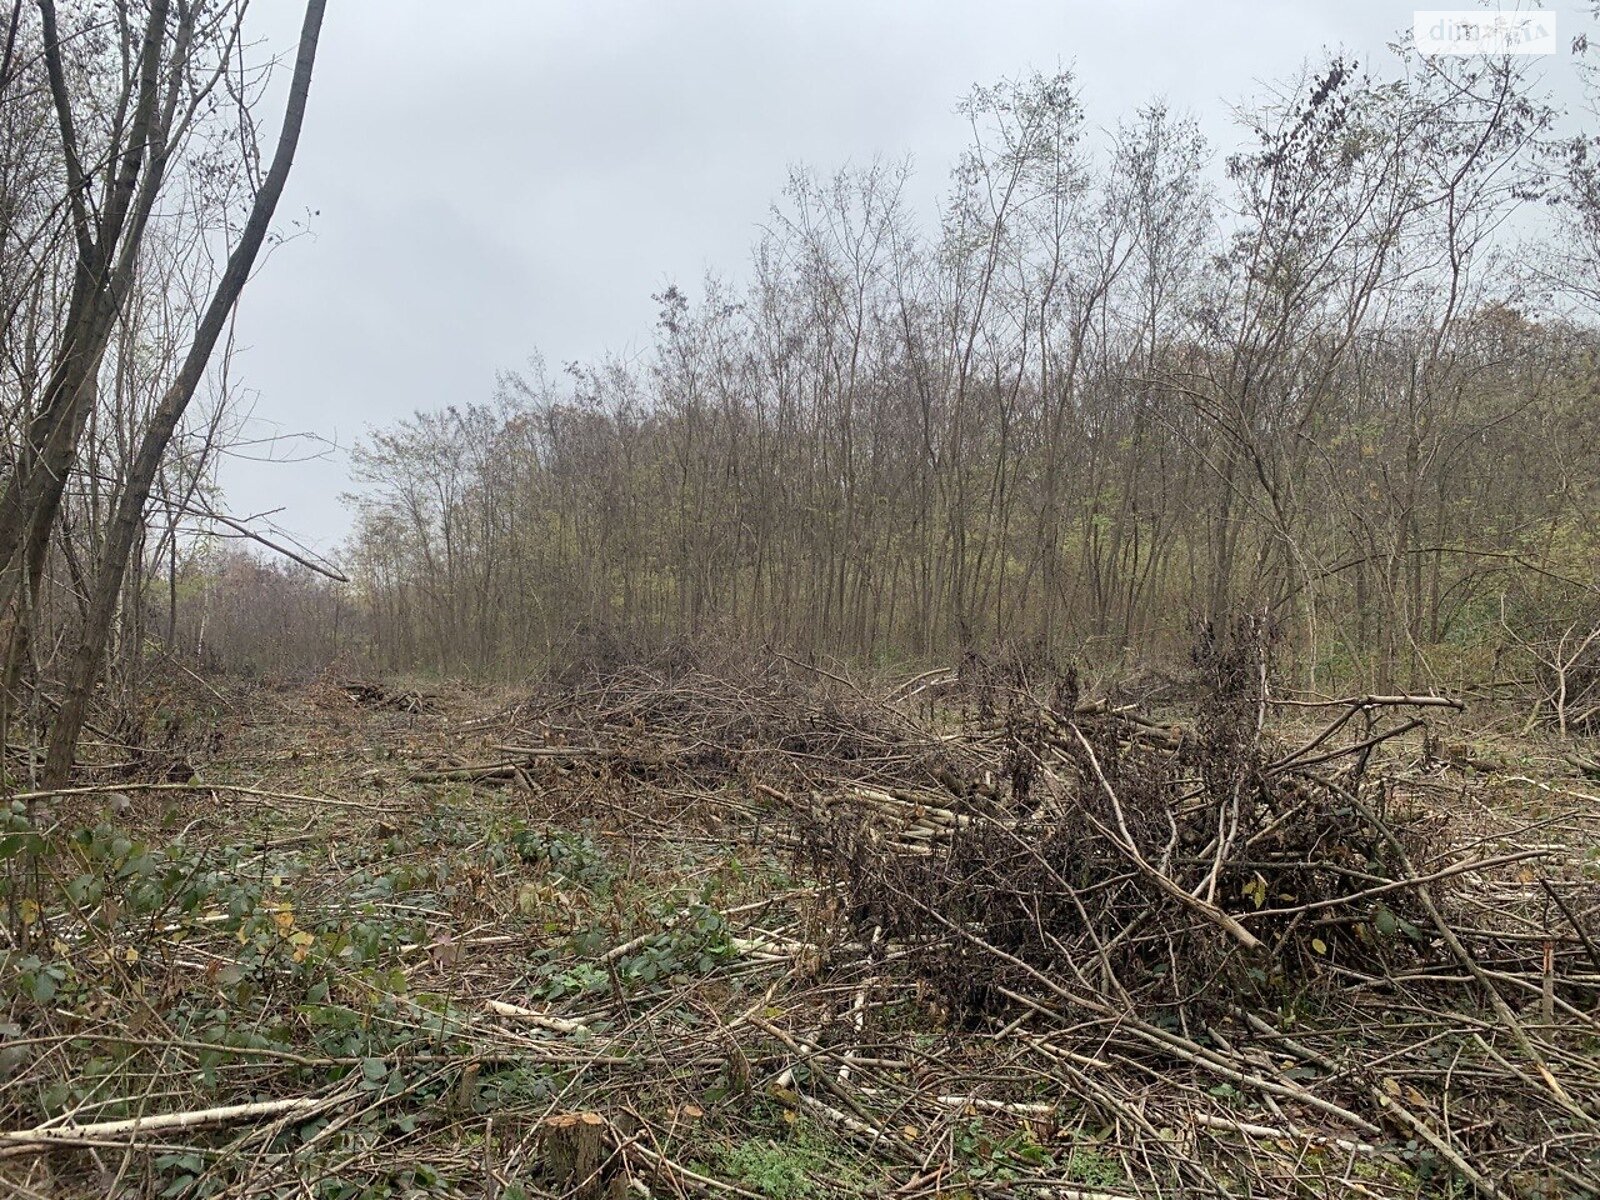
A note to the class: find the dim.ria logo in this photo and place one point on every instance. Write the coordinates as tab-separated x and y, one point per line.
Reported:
1476	31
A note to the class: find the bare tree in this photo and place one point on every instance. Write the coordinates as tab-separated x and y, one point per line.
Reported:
157	435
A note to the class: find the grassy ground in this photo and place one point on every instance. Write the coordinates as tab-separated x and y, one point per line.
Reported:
408	959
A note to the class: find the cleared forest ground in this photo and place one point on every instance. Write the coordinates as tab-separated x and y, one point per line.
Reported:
761	930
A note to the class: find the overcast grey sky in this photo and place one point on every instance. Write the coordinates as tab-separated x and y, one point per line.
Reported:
496	177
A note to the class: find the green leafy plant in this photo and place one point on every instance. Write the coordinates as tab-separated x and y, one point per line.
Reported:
1089	1166
774	1169
573	856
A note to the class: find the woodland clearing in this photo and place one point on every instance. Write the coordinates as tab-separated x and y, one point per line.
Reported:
763	929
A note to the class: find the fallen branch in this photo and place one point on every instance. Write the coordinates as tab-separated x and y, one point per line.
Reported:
132	1128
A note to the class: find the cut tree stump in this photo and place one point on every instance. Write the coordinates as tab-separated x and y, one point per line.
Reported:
574	1149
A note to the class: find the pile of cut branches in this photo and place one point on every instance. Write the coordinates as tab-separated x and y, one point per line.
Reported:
770	722
1183	867
1146	895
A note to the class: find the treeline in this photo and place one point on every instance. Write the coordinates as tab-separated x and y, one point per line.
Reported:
250	616
1103	399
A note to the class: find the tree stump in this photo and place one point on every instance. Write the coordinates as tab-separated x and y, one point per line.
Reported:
574	1150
